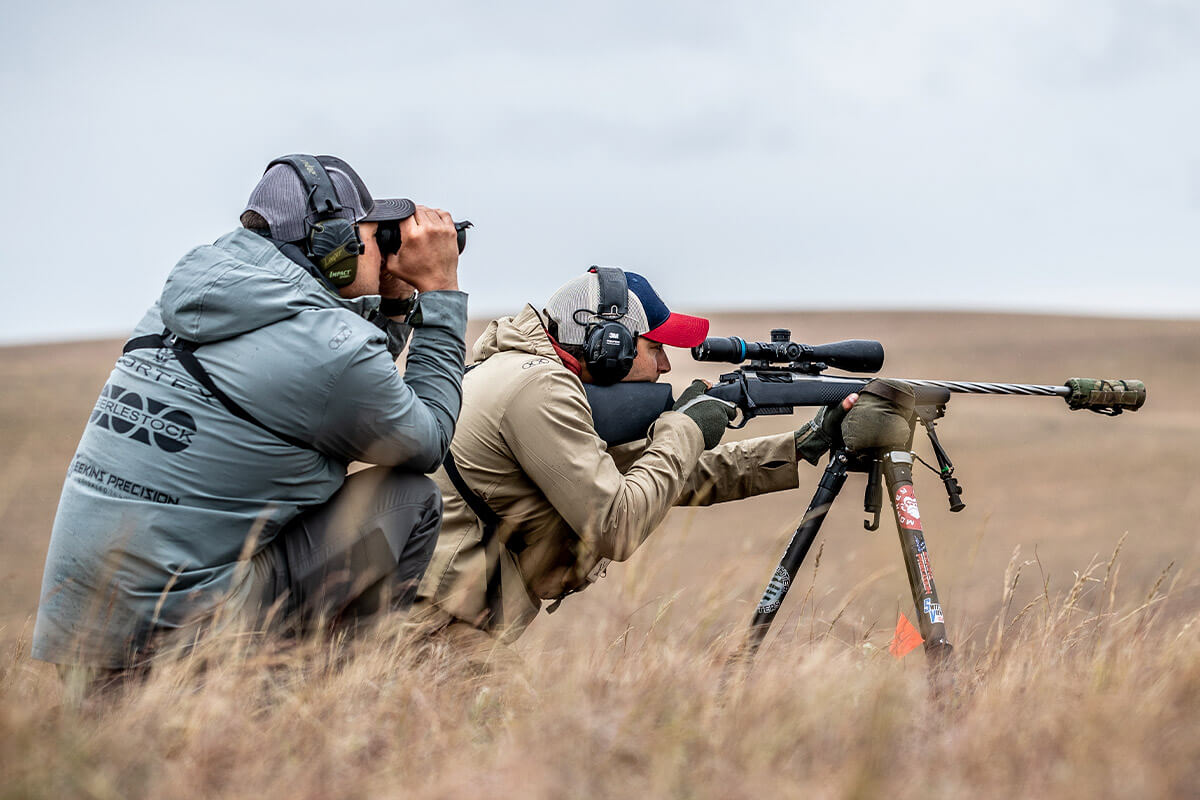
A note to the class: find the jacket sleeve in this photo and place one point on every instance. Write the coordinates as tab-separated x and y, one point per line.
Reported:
548	427
397	336
735	470
375	415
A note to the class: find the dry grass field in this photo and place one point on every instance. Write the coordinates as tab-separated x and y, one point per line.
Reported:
1070	584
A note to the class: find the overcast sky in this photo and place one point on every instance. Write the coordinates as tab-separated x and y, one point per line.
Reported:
888	154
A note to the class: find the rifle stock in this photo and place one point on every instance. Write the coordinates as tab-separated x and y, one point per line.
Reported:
623	412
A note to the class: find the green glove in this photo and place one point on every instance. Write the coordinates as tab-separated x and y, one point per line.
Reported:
882	418
710	414
816	437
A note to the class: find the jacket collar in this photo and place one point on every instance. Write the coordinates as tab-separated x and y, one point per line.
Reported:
569	361
523	333
293	252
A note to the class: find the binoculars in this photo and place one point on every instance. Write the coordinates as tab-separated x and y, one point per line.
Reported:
388	236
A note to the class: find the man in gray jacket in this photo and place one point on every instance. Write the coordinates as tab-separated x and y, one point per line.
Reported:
210	484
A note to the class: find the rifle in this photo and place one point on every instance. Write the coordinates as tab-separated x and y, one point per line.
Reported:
780	376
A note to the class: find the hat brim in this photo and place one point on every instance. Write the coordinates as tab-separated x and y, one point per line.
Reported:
680	330
389	209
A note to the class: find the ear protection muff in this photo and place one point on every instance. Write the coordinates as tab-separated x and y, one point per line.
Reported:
609	347
332	240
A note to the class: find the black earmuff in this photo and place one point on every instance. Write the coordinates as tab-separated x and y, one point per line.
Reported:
609	347
332	240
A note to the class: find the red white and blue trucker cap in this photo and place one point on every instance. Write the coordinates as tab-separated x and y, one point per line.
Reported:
574	305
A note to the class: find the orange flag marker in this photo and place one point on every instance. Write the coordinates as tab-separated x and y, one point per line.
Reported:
905	639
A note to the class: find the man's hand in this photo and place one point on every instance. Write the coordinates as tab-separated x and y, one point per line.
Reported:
710	414
825	430
428	257
882	419
394	288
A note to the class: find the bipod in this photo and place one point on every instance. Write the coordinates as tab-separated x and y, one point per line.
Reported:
928	415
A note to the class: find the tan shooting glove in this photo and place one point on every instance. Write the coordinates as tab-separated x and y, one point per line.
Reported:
882	419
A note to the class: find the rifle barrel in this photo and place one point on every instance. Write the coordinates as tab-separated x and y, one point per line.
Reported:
1109	397
977	387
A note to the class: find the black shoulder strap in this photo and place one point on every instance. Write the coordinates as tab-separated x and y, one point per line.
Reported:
491	543
182	350
490	519
491	538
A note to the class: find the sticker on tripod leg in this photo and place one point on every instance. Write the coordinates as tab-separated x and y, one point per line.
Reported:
933	611
906	508
776	589
923	569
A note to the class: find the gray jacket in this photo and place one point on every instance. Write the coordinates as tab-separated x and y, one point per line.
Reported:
167	486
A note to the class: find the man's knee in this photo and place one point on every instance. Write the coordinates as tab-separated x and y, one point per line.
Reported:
405	489
394	541
409	510
393	488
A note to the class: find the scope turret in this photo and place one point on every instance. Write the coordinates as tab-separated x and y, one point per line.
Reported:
852	355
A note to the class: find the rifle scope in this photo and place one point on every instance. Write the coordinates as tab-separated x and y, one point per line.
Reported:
852	355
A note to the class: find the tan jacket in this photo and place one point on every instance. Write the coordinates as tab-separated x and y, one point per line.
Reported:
525	445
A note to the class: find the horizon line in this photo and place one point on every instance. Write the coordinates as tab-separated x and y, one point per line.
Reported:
1140	315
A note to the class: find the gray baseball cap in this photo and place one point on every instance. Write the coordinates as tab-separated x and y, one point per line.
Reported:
391	208
281	200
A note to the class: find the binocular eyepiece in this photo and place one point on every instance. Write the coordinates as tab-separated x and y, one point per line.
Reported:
852	355
387	236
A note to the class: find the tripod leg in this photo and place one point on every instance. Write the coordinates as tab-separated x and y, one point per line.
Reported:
827	491
897	470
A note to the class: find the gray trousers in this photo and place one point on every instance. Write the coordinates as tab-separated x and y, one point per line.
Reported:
362	551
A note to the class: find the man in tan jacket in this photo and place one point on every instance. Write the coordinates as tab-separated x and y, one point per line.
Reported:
536	504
